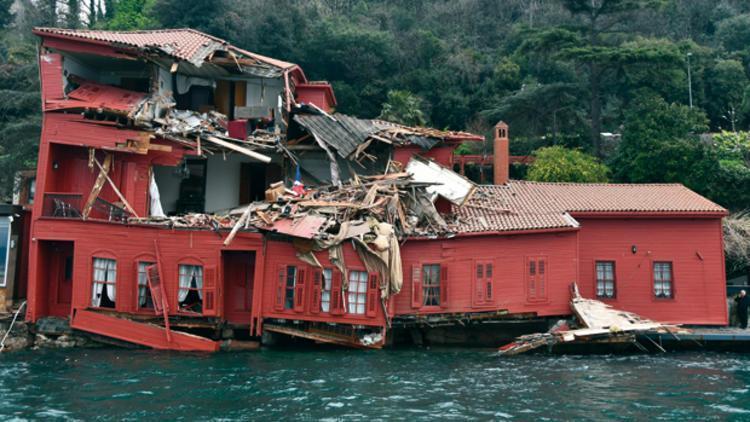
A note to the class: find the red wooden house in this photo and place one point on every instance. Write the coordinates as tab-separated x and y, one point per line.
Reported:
515	248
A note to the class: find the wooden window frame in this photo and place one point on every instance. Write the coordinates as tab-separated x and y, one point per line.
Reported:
323	289
671	296
145	262
431	299
105	283
201	290
597	280
360	294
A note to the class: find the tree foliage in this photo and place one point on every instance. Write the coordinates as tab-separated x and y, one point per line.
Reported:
403	107
560	164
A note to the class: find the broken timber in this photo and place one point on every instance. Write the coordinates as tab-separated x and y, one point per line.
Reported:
600	323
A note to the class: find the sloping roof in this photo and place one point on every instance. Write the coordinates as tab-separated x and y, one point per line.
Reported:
183	43
522	205
343	133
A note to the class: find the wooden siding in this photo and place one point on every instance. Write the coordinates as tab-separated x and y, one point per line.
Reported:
694	247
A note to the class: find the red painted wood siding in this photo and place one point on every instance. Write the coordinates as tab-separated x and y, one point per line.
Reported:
280	254
441	154
128	245
508	255
692	245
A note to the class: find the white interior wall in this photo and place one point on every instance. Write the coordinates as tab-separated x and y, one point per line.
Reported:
265	92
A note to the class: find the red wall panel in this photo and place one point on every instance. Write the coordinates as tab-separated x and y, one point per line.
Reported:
694	247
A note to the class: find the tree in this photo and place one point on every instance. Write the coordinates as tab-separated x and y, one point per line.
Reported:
403	107
560	164
725	87
600	16
130	15
659	144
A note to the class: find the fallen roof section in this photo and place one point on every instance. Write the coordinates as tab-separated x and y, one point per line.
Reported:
346	134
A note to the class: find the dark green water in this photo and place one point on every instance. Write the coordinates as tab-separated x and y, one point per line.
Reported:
395	385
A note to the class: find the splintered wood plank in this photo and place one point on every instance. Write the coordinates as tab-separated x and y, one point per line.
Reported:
98	185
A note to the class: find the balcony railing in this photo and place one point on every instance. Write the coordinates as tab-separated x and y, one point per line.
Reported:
70	205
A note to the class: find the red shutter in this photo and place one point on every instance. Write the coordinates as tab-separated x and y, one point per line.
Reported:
299	291
209	291
443	286
154	284
317	282
478	296
372	295
416	286
337	303
489	276
542	278
280	288
530	279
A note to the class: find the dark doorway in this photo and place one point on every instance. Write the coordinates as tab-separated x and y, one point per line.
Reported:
254	180
55	263
239	274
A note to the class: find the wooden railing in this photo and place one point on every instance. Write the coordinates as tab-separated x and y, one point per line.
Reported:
70	205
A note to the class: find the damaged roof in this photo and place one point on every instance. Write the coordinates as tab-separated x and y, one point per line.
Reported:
522	205
184	43
346	133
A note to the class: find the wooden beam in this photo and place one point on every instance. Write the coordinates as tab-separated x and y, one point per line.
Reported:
233	147
117	191
98	184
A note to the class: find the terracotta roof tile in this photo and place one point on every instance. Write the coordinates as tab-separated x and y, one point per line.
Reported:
184	43
522	205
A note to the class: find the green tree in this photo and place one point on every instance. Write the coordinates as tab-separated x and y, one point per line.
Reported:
130	15
725	88
560	164
659	144
403	107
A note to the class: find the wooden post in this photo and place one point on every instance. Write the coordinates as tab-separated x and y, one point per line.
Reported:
99	184
114	188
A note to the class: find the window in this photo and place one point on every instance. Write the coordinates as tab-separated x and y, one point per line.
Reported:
431	284
4	248
144	292
605	279
190	294
291	283
325	293
105	276
663	280
357	291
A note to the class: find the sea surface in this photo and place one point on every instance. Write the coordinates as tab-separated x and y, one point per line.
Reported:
411	384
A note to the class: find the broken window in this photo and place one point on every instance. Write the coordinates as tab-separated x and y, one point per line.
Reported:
431	284
144	292
357	292
190	294
291	283
663	280
103	286
605	279
325	293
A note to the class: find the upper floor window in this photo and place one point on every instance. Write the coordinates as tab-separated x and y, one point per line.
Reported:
605	279
190	293
431	285
144	292
325	292
663	280
103	293
357	291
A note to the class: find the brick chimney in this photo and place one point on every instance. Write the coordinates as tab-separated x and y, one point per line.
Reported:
501	157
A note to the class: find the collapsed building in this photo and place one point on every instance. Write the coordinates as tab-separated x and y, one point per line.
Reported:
191	191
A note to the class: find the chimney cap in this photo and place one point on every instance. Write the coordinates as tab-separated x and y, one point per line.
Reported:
501	124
